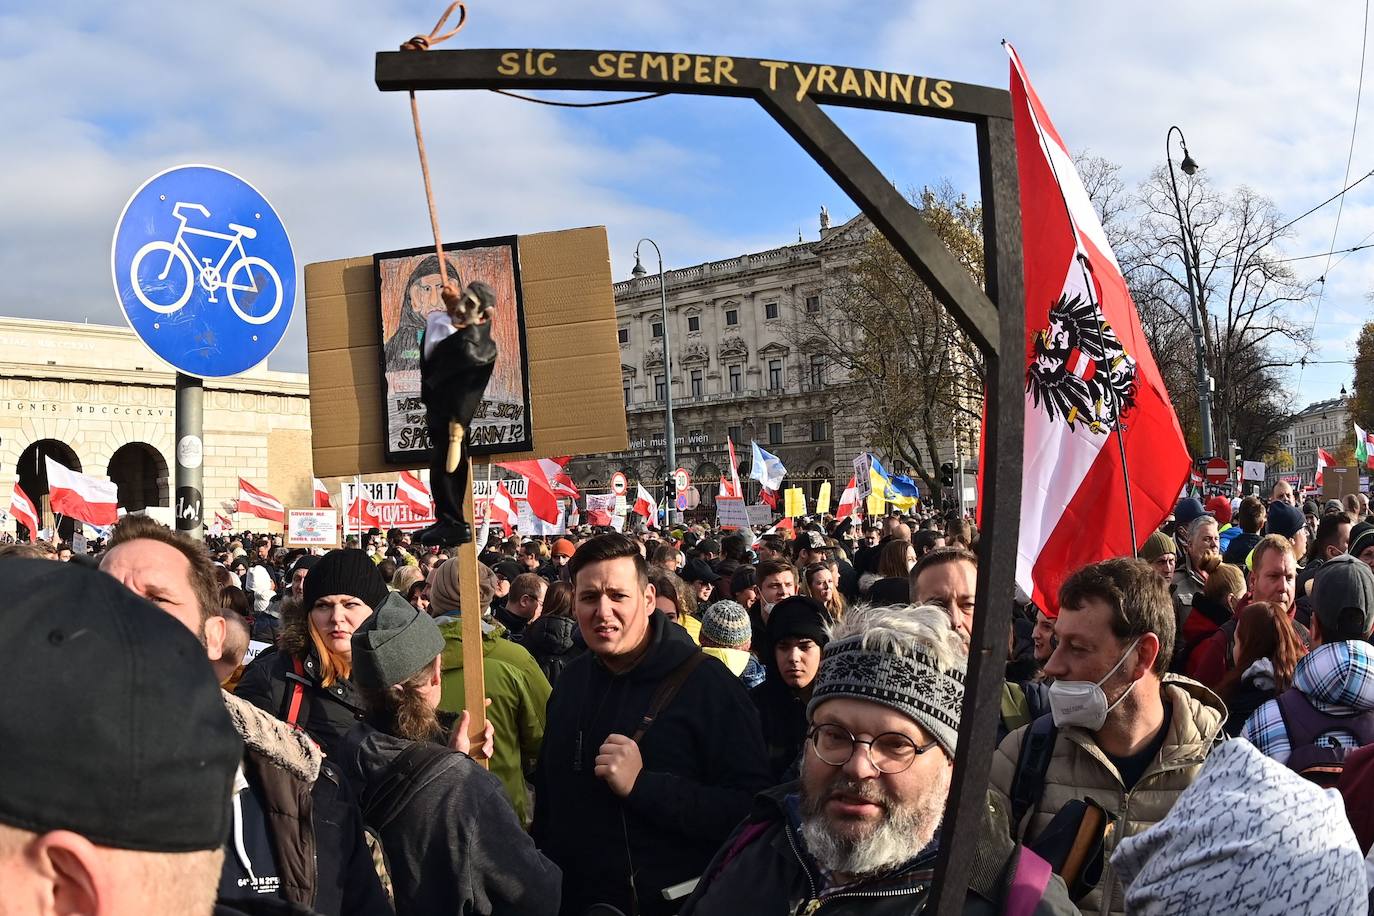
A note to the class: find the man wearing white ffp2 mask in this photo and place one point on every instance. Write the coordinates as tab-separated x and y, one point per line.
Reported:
1127	734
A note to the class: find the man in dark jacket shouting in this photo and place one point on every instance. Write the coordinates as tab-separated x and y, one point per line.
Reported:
652	750
861	831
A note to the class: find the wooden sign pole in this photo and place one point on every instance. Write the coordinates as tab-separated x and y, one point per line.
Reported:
474	683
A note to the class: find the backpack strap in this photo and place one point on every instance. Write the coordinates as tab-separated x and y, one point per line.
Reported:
666	691
1305	723
1028	883
293	710
1033	762
381	799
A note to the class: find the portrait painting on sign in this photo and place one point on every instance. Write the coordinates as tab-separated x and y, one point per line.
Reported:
408	286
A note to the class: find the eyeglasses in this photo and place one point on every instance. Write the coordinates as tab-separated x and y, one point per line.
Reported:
890	752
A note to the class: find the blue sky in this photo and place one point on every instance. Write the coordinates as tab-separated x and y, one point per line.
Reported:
99	97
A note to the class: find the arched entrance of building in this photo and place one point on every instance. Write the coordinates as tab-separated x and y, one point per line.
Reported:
33	480
141	474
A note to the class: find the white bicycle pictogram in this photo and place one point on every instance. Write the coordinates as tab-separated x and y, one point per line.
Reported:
247	274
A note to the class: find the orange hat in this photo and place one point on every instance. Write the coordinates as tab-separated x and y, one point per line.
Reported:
563	548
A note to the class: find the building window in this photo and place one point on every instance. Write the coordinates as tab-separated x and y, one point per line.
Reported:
733	433
775	374
817	371
770	310
818	431
774	433
813	304
656	329
731	317
696	383
694	322
623	334
625	385
735	384
660	388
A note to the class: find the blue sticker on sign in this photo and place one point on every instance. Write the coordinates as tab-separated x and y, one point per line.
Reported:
204	271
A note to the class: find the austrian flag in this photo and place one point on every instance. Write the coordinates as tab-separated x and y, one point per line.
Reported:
253	501
411	490
1094	396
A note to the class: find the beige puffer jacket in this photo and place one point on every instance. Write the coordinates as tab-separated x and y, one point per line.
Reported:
1079	769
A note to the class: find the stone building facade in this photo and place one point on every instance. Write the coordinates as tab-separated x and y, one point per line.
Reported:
95	399
1321	424
736	371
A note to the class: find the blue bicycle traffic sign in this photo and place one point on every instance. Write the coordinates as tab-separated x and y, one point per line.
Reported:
204	271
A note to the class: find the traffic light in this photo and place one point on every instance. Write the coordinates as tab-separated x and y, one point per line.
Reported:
947	474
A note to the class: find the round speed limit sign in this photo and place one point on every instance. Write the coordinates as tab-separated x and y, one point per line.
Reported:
681	479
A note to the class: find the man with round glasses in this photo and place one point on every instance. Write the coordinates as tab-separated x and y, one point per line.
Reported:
860	831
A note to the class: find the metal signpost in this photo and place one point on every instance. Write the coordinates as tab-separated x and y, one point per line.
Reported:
205	275
792	94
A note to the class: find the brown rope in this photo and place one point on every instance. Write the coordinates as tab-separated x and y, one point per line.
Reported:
424	43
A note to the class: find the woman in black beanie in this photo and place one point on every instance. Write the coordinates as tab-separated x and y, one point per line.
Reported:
306	681
797	630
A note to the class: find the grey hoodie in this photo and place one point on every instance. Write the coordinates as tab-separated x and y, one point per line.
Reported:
1250	837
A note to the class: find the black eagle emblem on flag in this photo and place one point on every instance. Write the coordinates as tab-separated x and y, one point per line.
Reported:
1080	373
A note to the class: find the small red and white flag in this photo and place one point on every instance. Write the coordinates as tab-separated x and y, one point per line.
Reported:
785	524
735	489
362	511
769	497
1094	395
321	500
81	496
727	490
1324	460
645	506
23	510
503	510
849	500
264	505
540	492
222	525
412	491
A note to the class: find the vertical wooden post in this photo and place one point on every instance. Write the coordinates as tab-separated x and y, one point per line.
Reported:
474	683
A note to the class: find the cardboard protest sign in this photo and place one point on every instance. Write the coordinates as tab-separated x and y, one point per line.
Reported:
793	502
731	513
562	286
312	528
823	498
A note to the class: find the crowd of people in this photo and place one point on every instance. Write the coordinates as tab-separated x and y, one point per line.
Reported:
689	721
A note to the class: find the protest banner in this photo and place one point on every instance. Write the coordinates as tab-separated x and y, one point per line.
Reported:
793	502
759	514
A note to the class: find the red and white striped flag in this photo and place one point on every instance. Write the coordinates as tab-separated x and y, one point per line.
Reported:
541	474
735	489
321	493
23	510
645	506
1324	460
784	524
849	500
411	490
1093	391
253	501
222	525
81	496
503	509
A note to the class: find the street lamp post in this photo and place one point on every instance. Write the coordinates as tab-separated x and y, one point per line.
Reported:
638	272
1204	382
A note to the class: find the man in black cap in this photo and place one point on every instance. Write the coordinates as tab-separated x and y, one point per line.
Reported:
699	574
297	833
114	797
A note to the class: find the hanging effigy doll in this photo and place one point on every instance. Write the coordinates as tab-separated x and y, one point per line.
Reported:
457	358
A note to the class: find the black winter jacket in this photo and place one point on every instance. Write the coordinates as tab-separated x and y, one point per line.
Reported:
703	761
553	641
326	714
782	713
453	843
763	870
309	832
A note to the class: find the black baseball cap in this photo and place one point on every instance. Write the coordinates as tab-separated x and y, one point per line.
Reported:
113	724
698	570
1343	598
508	569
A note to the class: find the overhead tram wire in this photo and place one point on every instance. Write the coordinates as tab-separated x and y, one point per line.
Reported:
1350	156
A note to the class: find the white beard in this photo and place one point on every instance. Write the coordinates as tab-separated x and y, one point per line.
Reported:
905	830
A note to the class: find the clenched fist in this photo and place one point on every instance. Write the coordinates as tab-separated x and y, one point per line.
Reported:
618	762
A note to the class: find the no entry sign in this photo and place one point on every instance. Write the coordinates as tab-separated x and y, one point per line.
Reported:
1218	471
